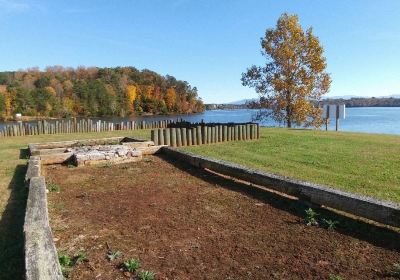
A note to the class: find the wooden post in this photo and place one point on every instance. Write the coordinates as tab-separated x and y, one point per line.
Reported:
235	133
209	136
183	134
167	136
239	135
247	131
154	136
220	131
173	137
189	136
214	134
178	137
204	134
39	126
224	133
258	131
337	118
194	136
161	140
199	137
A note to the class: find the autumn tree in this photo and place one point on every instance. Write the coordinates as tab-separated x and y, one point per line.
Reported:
131	95
293	79
63	92
170	98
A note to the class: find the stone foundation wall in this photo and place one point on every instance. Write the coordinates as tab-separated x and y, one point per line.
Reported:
91	155
41	259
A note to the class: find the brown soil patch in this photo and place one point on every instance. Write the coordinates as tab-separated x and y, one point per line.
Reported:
183	223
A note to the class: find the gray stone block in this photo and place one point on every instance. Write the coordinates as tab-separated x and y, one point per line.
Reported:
41	260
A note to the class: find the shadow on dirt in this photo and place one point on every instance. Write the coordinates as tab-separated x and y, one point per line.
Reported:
376	235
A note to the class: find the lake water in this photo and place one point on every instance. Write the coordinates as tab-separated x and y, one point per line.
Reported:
368	119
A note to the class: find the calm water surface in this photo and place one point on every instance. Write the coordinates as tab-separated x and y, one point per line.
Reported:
368	119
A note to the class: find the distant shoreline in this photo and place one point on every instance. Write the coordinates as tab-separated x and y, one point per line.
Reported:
354	102
221	107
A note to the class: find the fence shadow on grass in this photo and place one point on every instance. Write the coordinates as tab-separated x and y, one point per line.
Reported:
24	154
377	235
11	229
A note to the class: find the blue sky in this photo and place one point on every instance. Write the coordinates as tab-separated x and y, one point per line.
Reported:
207	43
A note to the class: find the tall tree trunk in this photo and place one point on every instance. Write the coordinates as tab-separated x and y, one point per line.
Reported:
289	122
288	110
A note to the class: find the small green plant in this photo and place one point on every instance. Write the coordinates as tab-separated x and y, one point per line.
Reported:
65	263
311	217
112	256
335	277
396	270
147	275
80	257
64	259
71	165
52	187
330	224
132	265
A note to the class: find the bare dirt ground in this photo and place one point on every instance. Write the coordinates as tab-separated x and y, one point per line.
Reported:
184	223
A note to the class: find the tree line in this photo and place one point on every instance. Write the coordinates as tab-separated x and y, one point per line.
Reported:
366	101
94	92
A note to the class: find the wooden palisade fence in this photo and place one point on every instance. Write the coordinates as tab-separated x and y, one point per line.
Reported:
187	134
78	126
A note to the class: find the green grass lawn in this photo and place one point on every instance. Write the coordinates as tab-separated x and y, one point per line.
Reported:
367	164
13	194
362	163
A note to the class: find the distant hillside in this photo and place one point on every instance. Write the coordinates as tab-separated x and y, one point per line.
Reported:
94	92
366	102
243	101
350	101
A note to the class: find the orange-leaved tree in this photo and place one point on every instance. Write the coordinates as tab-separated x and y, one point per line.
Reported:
293	79
131	94
170	98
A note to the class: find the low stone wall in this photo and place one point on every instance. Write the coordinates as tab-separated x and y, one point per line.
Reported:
91	155
93	151
61	146
41	260
362	206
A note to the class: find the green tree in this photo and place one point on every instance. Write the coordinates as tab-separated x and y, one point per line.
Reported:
2	105
293	78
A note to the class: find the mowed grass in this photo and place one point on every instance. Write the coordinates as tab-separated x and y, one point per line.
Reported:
367	164
13	159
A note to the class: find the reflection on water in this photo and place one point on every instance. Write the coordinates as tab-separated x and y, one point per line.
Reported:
368	119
